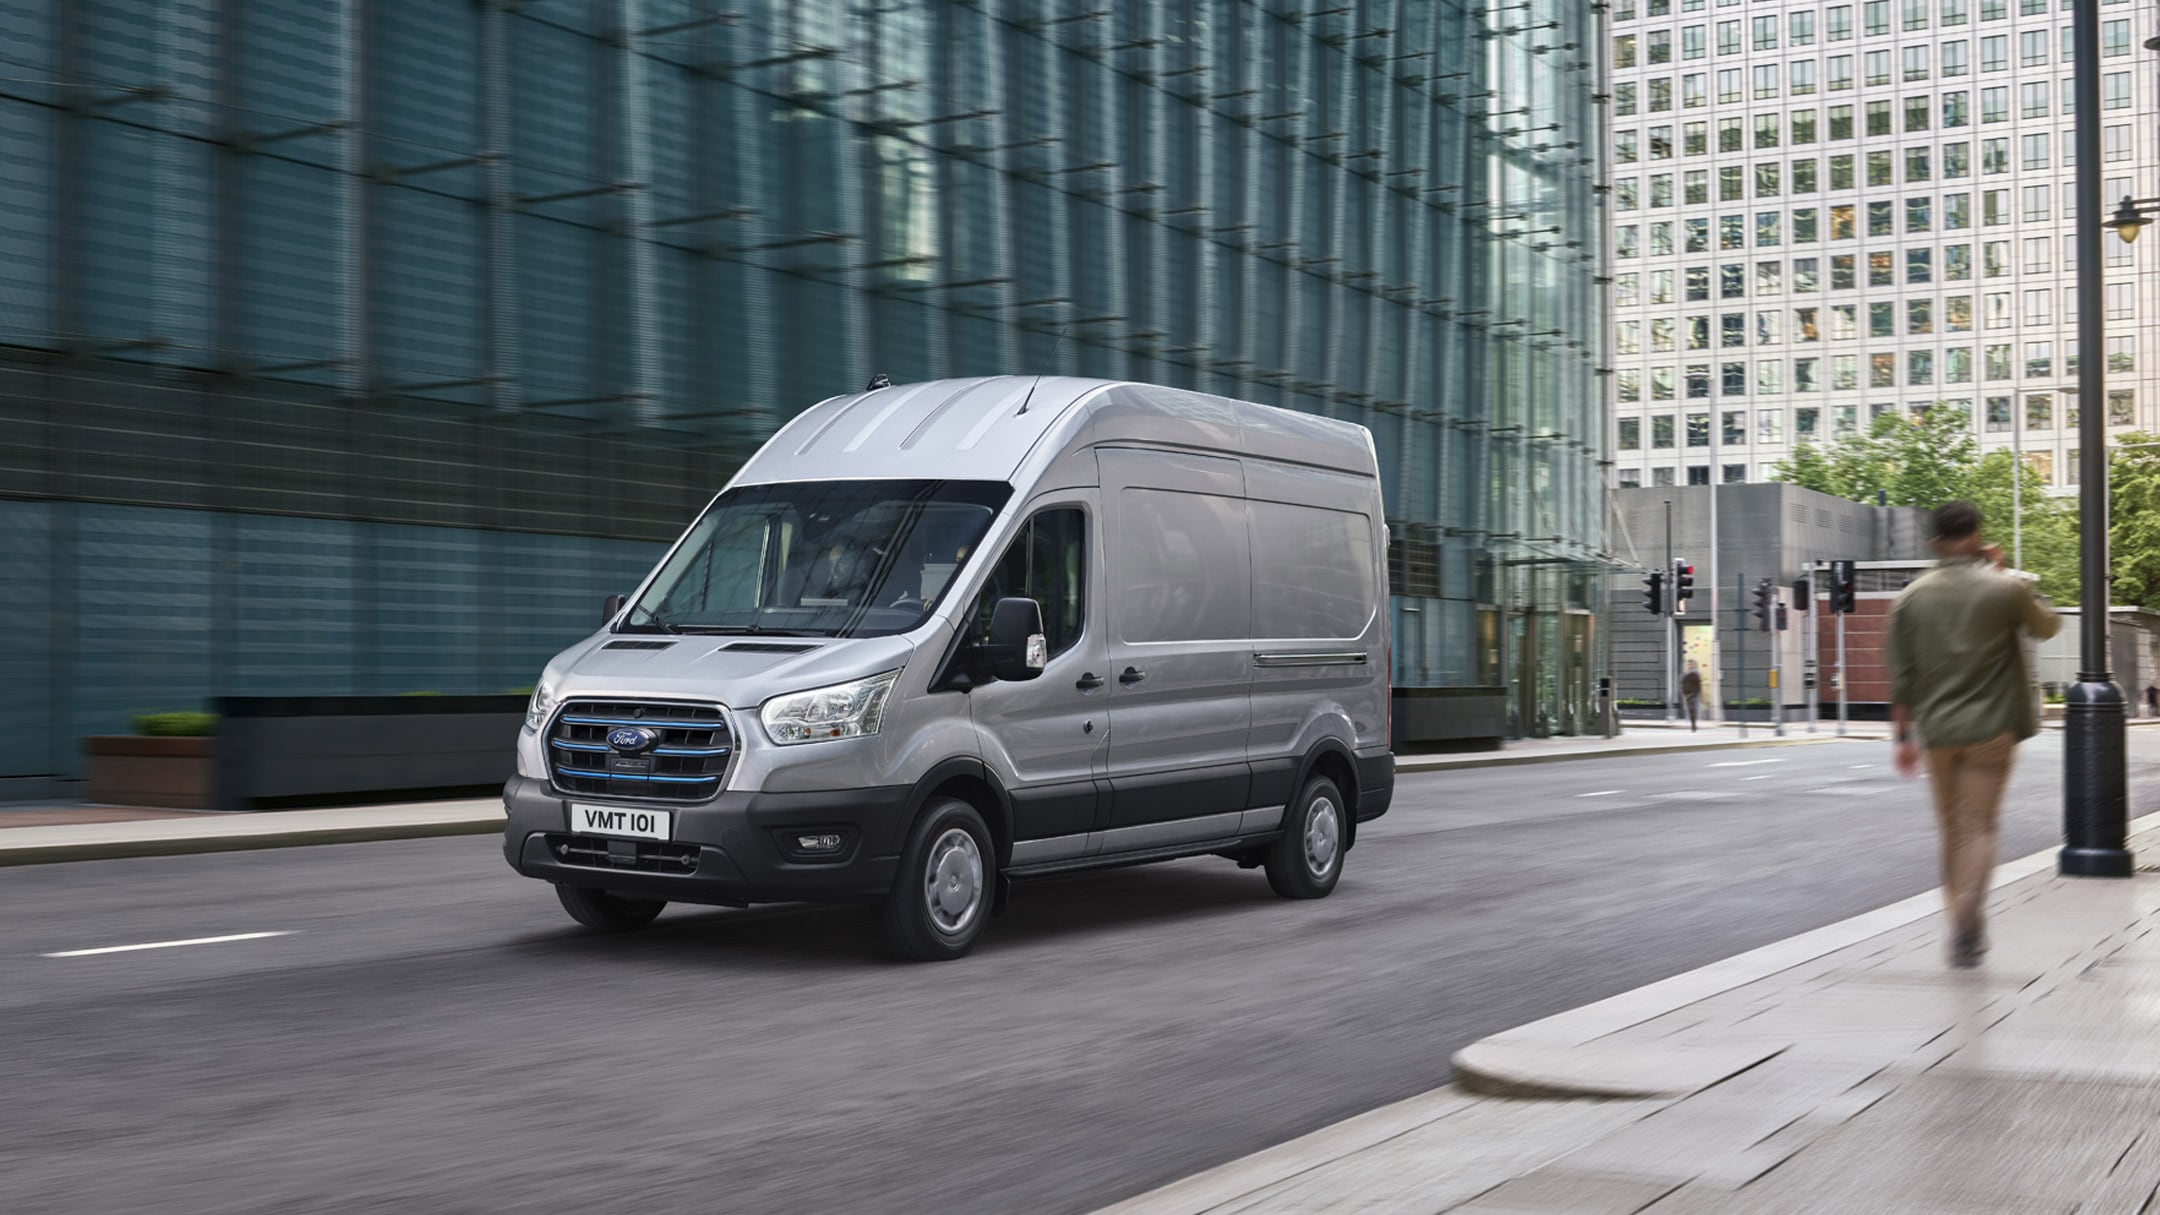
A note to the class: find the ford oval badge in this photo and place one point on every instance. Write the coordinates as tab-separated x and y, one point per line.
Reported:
632	739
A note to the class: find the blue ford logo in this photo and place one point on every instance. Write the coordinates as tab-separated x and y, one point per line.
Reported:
632	739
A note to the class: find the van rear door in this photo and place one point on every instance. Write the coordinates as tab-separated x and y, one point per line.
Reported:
1179	558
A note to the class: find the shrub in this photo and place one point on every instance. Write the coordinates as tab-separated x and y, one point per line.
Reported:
176	725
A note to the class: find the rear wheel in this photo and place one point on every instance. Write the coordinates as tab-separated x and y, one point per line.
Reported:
943	889
1307	861
604	912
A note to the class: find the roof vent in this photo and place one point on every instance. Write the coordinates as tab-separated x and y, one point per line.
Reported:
880	380
767	647
637	645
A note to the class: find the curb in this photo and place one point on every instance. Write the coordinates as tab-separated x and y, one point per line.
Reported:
117	849
1558	1057
1433	763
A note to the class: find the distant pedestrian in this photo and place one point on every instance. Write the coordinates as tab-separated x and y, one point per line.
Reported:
2152	700
1691	692
1959	688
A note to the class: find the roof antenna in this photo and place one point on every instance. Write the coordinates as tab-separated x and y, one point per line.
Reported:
1030	396
880	380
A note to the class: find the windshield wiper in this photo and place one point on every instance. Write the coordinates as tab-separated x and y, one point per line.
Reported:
656	617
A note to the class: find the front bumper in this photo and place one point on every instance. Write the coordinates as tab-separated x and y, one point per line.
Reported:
725	851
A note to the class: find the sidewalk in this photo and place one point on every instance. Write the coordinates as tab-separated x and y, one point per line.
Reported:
94	833
1641	738
1848	1070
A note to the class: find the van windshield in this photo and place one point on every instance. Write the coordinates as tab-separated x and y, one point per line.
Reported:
820	558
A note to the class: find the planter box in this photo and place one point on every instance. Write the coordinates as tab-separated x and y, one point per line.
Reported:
174	773
276	751
1458	719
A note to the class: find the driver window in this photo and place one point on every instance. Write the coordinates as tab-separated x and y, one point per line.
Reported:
1046	562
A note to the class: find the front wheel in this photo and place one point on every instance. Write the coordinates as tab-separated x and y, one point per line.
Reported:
1307	861
604	912
941	892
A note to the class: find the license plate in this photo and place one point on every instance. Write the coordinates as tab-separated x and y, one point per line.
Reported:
616	820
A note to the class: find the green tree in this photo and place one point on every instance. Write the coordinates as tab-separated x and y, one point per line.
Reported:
2044	527
2134	520
1807	468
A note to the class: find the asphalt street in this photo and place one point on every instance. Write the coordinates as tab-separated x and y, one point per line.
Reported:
433	1034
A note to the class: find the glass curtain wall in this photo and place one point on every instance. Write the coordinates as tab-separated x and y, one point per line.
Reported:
527	280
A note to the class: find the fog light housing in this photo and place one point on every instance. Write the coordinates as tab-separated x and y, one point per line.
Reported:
815	843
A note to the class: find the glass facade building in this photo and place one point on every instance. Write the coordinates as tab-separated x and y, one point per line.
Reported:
1831	210
360	346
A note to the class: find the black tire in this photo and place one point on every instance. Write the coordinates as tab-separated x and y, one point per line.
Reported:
1307	861
944	886
604	912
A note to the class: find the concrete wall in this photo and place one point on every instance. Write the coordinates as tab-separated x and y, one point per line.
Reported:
1763	531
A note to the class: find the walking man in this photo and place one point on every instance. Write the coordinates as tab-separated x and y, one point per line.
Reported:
1960	690
1691	692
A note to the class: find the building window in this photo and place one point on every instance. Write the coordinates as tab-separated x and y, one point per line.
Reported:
1841	172
1661	476
1732	379
2039	360
2039	411
1916	63
2115	91
2035	99
1630	434
1957	365
1877	67
1698	430
2122	407
1957	160
1997	362
1882	371
1919	367
2037	207
1919	317
1698	474
2122	353
1770	425
1998	413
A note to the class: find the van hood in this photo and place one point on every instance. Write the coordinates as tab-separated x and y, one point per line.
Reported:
736	671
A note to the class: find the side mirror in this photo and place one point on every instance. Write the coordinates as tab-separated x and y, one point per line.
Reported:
611	607
1017	648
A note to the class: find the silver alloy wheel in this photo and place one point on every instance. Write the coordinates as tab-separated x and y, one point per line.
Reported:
953	881
1323	829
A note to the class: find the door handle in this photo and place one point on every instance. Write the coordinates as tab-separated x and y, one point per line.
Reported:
1088	682
1132	676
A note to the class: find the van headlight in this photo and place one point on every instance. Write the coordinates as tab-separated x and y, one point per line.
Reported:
844	710
538	708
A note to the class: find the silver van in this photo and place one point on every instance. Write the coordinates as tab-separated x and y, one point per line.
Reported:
939	638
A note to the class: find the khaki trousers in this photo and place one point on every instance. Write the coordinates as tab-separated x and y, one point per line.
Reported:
1968	786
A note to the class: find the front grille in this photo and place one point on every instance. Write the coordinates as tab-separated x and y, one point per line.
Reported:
685	765
593	852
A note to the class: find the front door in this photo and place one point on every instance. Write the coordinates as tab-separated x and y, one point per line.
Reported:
1048	737
1179	560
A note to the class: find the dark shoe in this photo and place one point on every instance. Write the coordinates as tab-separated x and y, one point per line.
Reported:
1965	950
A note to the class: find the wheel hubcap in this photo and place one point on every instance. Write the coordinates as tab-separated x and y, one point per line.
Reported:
1323	828
953	881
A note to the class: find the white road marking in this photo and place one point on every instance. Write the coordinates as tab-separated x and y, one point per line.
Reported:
1744	763
1764	776
1600	793
238	936
1857	767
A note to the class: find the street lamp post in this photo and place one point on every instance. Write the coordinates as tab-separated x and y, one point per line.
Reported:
2095	789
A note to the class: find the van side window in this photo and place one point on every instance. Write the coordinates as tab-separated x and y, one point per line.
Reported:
1046	562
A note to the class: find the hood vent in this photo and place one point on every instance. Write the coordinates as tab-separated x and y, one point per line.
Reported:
767	647
637	645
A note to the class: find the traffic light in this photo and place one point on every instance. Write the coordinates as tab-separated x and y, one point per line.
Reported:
1762	605
1683	582
1653	592
1781	623
1843	594
1801	594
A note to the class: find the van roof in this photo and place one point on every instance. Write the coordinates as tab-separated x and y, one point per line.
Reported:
987	428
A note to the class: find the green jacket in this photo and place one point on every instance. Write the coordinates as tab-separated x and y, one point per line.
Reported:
1957	653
